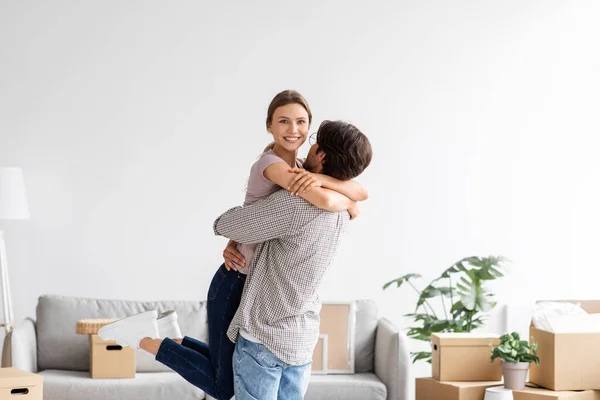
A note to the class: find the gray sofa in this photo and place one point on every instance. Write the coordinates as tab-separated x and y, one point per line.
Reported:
50	347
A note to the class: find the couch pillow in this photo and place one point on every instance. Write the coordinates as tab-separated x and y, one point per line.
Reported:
364	340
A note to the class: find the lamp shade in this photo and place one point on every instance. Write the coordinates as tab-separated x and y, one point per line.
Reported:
13	201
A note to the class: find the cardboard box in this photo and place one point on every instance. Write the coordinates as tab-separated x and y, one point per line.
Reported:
431	389
15	383
545	394
464	357
568	361
109	360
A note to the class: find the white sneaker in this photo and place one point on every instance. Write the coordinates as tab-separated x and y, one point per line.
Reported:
168	325
129	331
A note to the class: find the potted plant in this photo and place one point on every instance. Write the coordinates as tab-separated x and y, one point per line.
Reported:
516	356
464	300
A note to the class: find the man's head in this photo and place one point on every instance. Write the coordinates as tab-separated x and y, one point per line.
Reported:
341	151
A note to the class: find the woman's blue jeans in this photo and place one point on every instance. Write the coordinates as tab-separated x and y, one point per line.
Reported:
209	366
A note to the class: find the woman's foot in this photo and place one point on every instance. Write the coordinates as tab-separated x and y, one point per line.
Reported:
152	345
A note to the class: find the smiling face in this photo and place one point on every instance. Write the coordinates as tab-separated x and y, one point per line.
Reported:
289	126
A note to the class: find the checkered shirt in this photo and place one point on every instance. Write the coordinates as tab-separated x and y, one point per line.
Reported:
280	305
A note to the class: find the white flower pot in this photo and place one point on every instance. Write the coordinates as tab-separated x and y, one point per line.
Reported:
515	374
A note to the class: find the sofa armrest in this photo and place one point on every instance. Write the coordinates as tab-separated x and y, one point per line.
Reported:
392	361
20	347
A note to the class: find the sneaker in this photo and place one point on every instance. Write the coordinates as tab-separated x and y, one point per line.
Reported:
129	331
168	325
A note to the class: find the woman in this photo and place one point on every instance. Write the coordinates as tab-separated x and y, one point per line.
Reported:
209	366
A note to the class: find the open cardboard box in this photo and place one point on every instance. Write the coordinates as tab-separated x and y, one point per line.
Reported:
568	361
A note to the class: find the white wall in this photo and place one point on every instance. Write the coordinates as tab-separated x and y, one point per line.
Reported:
136	123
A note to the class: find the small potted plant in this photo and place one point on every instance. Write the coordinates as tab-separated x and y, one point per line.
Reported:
516	355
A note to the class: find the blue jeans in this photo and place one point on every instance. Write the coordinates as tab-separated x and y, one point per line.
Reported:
259	374
209	366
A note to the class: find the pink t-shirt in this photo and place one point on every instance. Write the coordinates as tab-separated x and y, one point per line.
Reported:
259	188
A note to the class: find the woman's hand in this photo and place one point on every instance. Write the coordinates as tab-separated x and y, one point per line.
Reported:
231	255
304	181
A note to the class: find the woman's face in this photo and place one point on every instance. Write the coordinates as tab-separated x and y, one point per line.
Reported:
289	126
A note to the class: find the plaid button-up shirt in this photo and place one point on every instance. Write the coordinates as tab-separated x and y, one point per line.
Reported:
280	305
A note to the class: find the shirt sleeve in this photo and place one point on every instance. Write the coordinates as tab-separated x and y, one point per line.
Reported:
266	160
264	220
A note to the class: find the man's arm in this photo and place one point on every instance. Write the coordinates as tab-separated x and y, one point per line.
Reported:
354	190
266	219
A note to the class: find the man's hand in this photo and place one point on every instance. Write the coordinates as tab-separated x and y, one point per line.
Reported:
304	181
354	211
231	255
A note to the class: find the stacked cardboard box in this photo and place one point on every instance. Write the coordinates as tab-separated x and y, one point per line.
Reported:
569	364
108	360
568	361
531	393
15	383
461	368
431	389
464	357
568	370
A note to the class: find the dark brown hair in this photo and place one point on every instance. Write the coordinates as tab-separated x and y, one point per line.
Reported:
347	150
283	99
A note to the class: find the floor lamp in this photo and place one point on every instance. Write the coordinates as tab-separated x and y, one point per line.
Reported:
13	205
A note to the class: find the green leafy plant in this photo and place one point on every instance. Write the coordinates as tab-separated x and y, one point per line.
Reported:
513	349
463	297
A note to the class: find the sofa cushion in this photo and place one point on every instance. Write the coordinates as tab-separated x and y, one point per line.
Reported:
366	326
59	347
63	385
347	387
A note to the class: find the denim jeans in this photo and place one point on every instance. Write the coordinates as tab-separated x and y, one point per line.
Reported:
209	366
259	374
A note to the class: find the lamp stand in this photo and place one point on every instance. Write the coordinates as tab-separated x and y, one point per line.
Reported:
6	297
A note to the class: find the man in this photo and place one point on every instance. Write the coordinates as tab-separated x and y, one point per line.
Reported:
276	325
278	316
